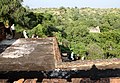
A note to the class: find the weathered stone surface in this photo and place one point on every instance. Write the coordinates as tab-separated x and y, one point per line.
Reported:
27	55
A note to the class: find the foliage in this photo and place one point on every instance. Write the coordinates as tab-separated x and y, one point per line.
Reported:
76	23
38	30
71	26
94	51
8	9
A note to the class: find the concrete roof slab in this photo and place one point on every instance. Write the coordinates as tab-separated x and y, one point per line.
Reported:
27	54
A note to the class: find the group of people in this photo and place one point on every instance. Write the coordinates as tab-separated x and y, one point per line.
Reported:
10	31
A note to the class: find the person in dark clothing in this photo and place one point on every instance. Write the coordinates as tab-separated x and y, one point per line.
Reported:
8	32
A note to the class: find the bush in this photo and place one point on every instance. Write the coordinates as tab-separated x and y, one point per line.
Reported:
38	30
94	52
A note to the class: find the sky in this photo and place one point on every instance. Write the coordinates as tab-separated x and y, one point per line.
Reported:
72	3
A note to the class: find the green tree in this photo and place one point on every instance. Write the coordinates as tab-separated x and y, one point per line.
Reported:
8	7
38	30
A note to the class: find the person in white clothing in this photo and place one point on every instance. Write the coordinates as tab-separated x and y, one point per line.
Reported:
25	34
13	30
72	56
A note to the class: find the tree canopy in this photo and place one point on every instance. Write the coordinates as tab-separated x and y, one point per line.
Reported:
76	24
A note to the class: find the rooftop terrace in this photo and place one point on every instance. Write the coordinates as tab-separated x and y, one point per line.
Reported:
40	58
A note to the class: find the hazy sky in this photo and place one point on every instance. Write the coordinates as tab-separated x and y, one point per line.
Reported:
73	3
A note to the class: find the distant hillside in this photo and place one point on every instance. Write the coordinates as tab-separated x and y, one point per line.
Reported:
90	32
81	10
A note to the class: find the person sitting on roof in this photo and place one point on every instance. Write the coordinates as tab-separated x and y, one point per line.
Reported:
7	31
13	30
25	34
